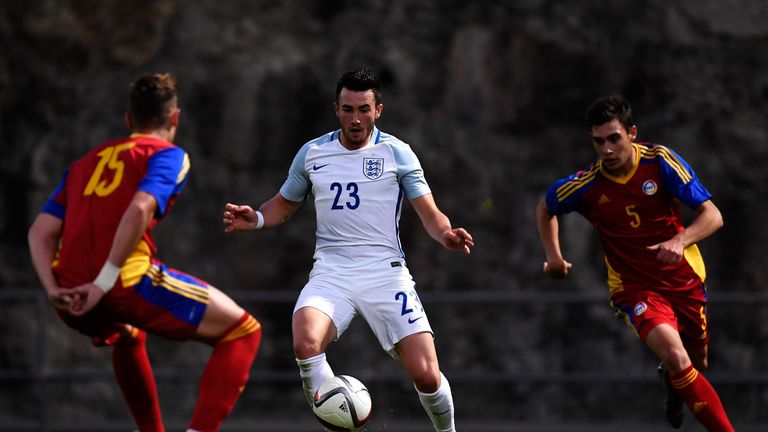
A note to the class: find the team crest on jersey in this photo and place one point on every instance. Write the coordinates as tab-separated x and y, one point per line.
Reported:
640	308
650	187
373	168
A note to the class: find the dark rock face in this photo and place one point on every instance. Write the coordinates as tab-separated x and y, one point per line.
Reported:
491	98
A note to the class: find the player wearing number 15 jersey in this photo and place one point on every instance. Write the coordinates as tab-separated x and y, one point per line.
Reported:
93	251
96	190
359	177
632	194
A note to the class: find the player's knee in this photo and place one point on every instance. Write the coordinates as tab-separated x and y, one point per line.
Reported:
304	347
676	359
427	380
247	329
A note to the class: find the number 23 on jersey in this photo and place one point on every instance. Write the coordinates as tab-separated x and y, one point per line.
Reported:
351	200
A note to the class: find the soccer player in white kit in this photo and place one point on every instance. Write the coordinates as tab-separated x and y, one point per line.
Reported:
359	176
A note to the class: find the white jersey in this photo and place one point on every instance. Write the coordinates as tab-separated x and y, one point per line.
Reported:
358	196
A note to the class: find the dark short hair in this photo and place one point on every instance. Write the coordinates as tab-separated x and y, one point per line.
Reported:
151	99
606	109
360	80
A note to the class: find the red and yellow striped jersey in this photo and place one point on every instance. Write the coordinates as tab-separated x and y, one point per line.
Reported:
634	212
94	193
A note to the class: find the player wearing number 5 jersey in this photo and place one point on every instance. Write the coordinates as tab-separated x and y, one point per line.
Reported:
359	177
632	194
93	251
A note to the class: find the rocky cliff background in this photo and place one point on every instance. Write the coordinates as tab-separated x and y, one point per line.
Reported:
491	96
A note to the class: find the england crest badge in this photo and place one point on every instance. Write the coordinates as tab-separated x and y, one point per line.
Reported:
373	168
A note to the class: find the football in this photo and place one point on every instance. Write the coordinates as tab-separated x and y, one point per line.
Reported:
342	403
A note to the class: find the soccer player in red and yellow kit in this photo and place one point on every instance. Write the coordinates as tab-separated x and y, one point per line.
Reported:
93	251
632	194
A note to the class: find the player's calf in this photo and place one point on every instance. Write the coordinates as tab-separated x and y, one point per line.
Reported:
226	373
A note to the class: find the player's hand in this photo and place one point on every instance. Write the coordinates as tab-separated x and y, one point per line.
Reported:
670	251
239	218
458	239
85	297
60	297
557	269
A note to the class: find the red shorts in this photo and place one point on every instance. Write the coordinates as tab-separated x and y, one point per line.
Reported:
684	310
164	302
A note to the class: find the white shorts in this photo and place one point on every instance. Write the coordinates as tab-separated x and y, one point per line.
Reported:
384	295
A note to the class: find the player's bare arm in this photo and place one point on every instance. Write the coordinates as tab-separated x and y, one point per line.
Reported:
134	223
43	240
439	227
555	266
704	225
275	211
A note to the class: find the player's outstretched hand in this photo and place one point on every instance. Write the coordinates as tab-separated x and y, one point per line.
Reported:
239	217
557	269
85	297
458	239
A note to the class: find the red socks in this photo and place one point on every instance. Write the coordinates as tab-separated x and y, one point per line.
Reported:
136	380
226	373
701	399
222	382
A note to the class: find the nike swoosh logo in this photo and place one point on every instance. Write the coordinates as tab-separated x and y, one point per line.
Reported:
411	321
316	167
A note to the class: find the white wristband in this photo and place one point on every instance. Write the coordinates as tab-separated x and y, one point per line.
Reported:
107	276
260	220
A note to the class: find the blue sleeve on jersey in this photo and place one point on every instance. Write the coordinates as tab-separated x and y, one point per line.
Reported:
166	175
691	193
53	206
569	204
409	171
297	185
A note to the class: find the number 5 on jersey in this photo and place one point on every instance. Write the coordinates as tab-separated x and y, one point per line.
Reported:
630	209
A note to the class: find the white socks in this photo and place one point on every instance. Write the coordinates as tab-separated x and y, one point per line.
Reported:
314	372
439	406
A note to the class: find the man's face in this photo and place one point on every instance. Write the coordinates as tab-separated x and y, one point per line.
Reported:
357	113
613	145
